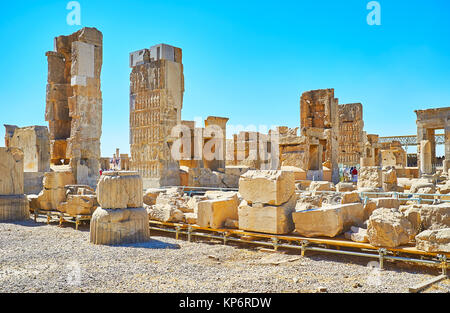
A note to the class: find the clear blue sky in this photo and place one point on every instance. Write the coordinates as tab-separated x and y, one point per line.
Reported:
246	60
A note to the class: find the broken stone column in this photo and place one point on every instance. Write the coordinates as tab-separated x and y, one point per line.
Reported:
121	217
269	200
426	166
34	142
54	192
218	126
74	103
13	202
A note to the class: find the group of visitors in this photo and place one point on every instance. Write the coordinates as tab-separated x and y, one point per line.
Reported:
351	174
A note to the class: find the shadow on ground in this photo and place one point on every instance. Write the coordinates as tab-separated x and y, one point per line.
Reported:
151	244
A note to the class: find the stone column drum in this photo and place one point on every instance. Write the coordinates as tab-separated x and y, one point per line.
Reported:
13	202
121	217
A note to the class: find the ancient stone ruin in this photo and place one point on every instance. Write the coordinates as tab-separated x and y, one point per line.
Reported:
74	103
121	217
156	100
13	202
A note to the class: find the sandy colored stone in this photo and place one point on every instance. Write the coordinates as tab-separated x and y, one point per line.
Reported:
350	197
165	213
328	221
14	208
11	171
321	186
344	187
369	177
53	180
369	207
214	212
119	226
387	203
357	234
79	205
434	240
120	190
269	219
150	195
191	218
389	228
266	186
435	216
231	223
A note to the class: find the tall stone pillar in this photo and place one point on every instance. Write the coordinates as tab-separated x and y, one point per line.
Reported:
220	136
74	103
447	149
156	99
426	166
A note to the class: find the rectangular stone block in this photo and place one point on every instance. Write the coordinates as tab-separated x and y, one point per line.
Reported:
328	221
266	186
54	180
214	213
11	171
269	219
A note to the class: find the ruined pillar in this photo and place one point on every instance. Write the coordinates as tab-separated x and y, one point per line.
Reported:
426	166
74	103
218	126
35	144
13	202
156	100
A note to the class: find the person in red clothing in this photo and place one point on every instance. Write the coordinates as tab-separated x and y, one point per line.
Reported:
101	171
354	175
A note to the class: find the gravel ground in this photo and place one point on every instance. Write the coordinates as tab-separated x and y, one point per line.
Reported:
36	257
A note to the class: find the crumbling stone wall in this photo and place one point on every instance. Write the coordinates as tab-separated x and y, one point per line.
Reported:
319	110
74	103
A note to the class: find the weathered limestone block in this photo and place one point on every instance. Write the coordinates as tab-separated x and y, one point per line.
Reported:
328	221
389	179
35	144
117	226
435	216
204	177
151	194
268	187
321	186
389	228
191	218
11	171
230	179
299	173
423	187
193	203
120	190
79	205
165	213
434	240
53	180
33	182
214	212
267	218
344	187
13	203
230	223
369	207
357	234
350	197
50	199
33	202
370	177
387	203
14	208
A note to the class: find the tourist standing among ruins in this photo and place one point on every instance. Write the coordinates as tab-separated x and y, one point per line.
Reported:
354	175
